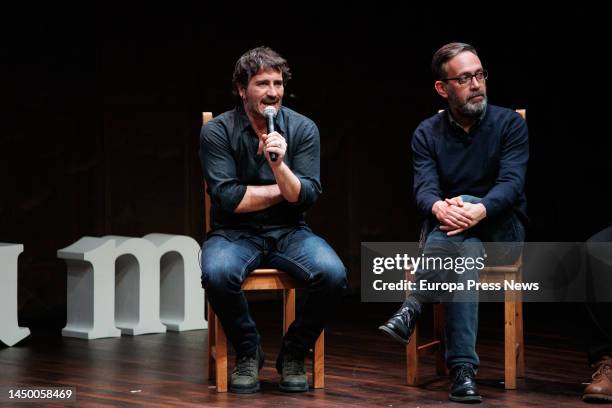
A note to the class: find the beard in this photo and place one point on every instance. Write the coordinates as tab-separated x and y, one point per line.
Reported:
253	106
468	107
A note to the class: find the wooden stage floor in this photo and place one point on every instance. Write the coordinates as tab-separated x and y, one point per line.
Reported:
363	367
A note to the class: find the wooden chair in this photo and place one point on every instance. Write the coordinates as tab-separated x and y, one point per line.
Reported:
259	279
514	351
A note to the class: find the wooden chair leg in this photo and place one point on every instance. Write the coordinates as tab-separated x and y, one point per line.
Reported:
439	336
510	348
520	339
318	362
211	343
288	308
412	358
220	357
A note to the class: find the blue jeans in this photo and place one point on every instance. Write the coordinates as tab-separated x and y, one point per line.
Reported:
300	253
461	312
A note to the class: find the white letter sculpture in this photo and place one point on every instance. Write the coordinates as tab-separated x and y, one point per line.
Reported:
115	281
182	296
91	289
10	332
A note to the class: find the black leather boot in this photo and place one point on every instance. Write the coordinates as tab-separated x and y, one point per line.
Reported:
401	325
463	387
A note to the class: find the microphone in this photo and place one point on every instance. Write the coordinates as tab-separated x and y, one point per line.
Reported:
270	114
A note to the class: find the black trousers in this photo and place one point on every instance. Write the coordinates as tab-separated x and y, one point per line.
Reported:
599	315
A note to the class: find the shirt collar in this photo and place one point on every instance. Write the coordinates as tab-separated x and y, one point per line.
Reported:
244	123
456	124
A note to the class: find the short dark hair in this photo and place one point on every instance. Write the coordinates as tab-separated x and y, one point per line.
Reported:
446	53
252	61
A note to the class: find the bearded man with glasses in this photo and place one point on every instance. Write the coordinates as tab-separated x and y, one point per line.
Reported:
470	163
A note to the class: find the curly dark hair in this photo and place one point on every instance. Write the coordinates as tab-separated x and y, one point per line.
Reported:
252	61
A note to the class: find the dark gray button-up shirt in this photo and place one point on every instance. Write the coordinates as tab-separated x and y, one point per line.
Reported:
228	151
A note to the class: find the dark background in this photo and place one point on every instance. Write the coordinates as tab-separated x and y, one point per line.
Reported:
103	115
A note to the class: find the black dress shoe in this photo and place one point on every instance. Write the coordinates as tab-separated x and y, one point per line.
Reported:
401	325
464	388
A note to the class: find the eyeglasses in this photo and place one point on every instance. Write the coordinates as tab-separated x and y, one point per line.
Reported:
467	78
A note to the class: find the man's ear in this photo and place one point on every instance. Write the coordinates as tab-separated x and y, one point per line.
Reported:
241	92
441	89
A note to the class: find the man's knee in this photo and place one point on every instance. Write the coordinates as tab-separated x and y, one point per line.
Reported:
332	273
221	272
322	263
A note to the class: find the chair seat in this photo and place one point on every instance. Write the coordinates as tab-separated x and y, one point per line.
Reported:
264	279
265	271
500	269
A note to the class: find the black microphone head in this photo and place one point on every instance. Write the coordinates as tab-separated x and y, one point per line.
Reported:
270	111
